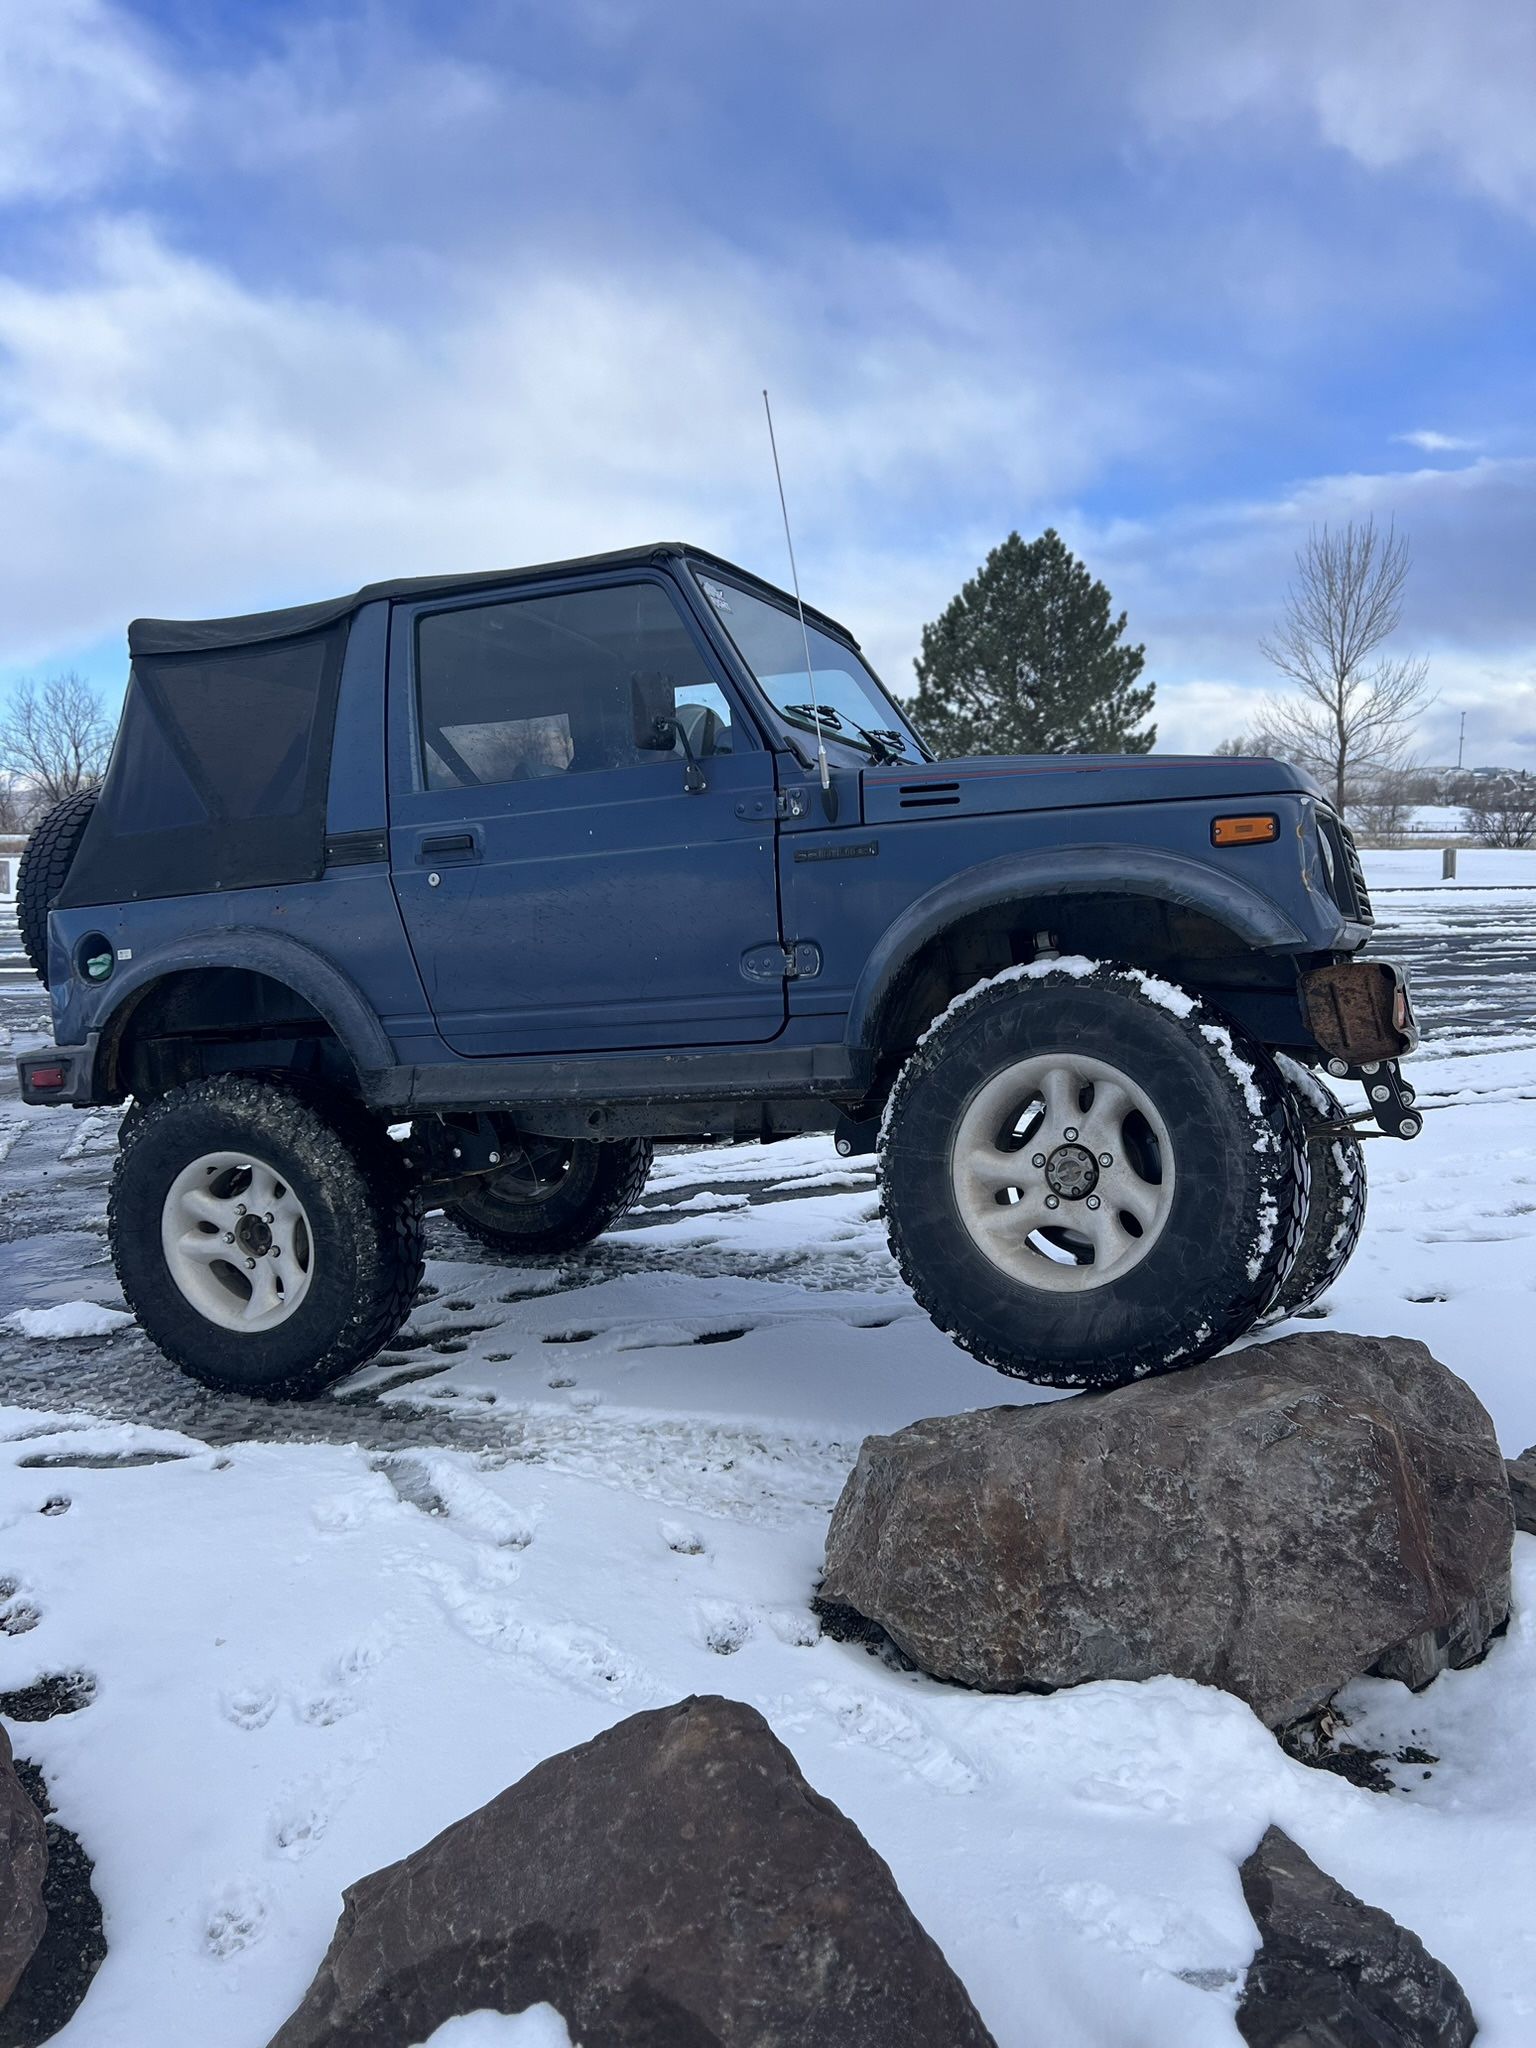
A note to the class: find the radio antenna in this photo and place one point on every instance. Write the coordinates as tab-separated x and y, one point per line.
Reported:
794	577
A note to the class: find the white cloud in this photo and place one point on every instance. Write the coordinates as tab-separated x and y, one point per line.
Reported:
1202	586
1421	84
1434	443
81	89
185	443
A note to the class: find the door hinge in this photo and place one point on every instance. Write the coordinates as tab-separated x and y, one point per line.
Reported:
785	803
798	962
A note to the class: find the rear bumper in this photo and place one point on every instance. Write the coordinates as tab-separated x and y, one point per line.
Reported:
59	1075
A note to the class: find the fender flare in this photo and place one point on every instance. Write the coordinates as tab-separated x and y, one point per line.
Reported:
298	967
1144	872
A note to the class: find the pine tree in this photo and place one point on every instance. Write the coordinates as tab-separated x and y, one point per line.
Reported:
1028	660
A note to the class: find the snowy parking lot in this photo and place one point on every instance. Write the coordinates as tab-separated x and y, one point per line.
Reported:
304	1638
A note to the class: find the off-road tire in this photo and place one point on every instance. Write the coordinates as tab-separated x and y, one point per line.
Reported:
364	1222
45	864
605	1178
1233	1216
1336	1194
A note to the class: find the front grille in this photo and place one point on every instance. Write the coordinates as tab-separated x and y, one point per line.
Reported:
1357	877
1349	890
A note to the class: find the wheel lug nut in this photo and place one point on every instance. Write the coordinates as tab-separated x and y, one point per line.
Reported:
1038	1160
229	1237
239	1208
1106	1159
268	1217
1051	1202
250	1265
1093	1201
1070	1133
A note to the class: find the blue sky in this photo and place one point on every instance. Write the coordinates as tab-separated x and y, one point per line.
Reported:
294	296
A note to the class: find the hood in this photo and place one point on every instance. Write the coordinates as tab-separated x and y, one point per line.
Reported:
1058	782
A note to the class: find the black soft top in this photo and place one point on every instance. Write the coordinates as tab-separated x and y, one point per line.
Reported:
219	774
251	629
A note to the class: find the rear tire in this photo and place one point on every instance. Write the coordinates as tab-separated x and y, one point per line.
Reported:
279	1294
565	1193
1182	1183
45	866
1336	1195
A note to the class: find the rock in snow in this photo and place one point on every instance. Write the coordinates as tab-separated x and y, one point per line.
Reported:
1522	1490
674	1883
1334	1970
1275	1522
23	1865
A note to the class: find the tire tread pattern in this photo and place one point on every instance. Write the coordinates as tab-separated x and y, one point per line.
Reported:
45	864
1277	1121
1336	1195
341	1140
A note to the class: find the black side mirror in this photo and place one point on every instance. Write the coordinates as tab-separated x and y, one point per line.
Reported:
658	732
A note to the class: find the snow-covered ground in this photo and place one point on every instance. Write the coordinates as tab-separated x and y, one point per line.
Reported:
576	1491
1477	867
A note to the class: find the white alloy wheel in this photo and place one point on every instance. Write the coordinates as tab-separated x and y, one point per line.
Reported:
237	1241
1063	1172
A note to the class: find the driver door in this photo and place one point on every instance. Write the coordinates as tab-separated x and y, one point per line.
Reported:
563	888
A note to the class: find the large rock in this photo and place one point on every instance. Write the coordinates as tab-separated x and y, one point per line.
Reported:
23	1866
1275	1522
675	1883
1522	1490
1334	1970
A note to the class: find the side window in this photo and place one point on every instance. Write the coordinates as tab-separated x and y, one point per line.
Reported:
566	685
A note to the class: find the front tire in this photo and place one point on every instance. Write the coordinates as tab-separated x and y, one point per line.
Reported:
1336	1194
266	1248
562	1193
1088	1177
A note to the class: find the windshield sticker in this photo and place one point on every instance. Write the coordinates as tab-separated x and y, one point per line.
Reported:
715	592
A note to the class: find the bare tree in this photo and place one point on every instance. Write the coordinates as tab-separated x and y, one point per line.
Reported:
1503	811
16	805
1355	708
1383	805
54	738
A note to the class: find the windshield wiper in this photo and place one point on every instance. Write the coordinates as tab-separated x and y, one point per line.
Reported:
884	743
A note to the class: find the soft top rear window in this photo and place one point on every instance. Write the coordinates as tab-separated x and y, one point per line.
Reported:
218	776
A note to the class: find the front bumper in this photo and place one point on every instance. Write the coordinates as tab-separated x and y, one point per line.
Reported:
1360	1010
1361	1015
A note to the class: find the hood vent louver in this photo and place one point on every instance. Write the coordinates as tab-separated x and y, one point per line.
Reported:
927	796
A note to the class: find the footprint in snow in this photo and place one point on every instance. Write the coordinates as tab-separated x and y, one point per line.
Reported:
886	1726
300	1821
724	1627
324	1709
687	1542
795	1626
237	1919
249	1706
17	1615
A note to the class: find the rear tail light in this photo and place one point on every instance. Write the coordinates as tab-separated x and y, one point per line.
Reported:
1250	831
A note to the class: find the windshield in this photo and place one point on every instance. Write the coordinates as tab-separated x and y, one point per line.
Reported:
850	706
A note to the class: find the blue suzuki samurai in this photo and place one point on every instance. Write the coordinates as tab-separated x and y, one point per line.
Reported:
460	892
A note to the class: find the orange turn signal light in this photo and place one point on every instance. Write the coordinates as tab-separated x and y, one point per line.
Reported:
1244	831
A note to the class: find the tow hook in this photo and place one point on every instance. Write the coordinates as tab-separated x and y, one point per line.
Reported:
1391	1097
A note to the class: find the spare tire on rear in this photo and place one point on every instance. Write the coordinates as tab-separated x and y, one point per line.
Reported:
46	862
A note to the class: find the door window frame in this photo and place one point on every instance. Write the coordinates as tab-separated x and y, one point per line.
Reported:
404	681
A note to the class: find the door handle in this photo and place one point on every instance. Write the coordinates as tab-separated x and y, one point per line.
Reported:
448	846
